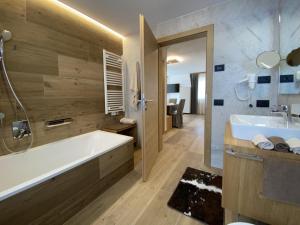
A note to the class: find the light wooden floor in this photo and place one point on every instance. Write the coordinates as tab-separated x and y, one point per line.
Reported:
133	202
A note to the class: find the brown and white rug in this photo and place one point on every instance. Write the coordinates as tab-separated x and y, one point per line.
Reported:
199	195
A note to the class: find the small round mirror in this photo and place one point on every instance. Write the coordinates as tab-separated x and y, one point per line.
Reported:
293	58
268	60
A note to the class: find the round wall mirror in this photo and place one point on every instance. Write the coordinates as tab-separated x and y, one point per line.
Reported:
268	60
293	58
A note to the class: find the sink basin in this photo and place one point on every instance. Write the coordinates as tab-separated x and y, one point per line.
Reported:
245	127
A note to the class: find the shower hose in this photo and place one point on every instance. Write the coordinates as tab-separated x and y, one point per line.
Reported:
9	84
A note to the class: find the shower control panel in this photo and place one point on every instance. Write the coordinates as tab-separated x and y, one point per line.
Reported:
20	129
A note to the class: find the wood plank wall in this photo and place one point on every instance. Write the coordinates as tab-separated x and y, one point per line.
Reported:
55	63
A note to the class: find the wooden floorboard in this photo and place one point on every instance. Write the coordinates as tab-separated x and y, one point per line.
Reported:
133	202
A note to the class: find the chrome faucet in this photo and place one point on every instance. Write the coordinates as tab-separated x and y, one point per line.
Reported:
282	110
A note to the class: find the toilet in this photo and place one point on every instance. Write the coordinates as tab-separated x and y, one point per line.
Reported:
240	223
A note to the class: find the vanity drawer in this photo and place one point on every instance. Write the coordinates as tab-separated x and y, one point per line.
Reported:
115	158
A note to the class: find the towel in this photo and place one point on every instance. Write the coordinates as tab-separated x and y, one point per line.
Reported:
279	144
281	180
135	87
128	121
294	144
262	142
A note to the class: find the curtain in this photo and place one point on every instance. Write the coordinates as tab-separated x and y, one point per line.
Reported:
194	92
201	94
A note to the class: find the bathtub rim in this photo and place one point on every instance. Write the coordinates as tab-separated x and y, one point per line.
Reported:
56	172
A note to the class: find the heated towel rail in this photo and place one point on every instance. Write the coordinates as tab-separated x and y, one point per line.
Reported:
113	83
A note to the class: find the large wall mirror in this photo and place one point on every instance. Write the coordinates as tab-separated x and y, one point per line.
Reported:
289	68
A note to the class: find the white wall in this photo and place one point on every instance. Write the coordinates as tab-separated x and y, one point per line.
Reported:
192	54
243	29
131	55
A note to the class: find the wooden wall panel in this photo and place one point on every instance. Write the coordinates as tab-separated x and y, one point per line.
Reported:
47	38
8	108
112	160
12	10
82	124
4	95
52	192
72	87
42	109
25	57
77	68
48	14
27	84
55	63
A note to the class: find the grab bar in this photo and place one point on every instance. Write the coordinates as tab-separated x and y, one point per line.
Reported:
243	155
58	123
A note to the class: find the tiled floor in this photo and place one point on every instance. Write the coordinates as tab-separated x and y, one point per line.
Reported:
134	202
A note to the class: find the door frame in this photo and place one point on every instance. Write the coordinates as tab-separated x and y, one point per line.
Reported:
208	32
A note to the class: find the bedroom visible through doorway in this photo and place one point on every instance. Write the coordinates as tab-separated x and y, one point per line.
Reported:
185	87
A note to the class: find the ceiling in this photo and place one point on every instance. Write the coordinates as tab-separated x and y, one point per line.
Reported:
193	54
122	15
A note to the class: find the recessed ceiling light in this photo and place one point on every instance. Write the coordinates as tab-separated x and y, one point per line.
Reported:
91	20
174	59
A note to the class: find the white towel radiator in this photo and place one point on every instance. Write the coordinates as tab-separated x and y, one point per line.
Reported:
114	83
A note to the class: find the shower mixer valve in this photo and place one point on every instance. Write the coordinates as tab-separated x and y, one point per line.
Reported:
20	129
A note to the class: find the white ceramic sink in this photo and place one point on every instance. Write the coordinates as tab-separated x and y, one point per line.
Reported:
245	127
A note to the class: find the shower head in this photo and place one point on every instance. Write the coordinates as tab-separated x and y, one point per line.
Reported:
5	35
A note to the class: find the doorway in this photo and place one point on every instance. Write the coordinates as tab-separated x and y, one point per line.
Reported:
199	91
186	74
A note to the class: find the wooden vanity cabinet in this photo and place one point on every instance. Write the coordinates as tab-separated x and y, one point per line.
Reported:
242	186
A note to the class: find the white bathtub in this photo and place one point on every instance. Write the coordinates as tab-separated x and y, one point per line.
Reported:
19	172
